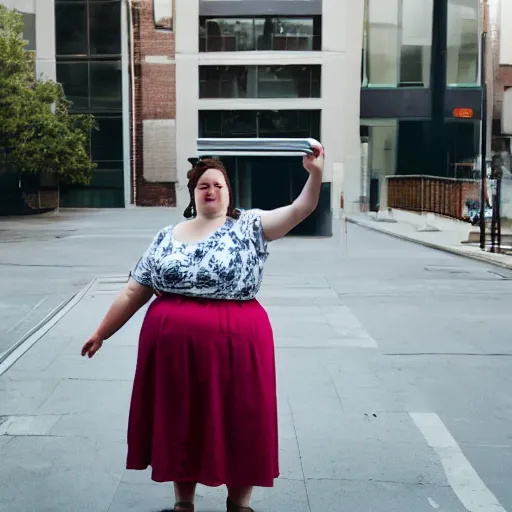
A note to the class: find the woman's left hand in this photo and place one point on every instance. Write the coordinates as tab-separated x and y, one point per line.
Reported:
314	163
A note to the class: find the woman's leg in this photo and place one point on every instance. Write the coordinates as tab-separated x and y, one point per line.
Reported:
240	496
184	491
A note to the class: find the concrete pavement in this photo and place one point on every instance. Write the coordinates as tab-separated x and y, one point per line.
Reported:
394	371
45	260
447	235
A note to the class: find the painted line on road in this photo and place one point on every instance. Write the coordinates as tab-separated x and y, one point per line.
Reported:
10	356
462	477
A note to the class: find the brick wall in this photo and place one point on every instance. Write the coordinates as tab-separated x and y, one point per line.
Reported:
154	99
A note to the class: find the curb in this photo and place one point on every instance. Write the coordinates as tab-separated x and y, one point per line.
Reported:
36	333
478	257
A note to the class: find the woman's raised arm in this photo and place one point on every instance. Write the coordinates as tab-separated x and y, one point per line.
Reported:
277	223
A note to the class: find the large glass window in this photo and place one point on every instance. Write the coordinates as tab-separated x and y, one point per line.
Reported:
93	85
88	28
104	28
397	43
265	33
71	29
107	141
74	77
259	81
463	42
105	85
264	123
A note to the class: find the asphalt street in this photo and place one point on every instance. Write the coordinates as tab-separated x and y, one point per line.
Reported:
394	374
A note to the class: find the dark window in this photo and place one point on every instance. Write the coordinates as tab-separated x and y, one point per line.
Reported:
29	31
107	142
264	33
74	77
287	123
106	86
105	34
239	123
71	29
266	123
259	81
411	66
288	81
93	85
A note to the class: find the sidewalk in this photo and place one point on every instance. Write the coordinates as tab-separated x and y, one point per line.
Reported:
347	440
449	235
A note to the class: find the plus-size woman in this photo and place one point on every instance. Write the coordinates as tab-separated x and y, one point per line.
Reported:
204	407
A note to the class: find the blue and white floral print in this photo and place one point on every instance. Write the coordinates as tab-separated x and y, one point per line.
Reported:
227	265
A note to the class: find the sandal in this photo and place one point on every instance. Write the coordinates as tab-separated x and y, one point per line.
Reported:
183	506
231	507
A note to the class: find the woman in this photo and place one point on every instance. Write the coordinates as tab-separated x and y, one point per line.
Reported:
204	406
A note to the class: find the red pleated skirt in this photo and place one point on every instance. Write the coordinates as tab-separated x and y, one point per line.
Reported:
204	405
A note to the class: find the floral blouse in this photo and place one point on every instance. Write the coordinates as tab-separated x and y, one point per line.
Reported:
227	265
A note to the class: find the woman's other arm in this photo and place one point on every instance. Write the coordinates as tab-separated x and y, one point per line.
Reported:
131	298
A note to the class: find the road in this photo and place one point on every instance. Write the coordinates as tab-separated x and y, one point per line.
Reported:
394	377
45	260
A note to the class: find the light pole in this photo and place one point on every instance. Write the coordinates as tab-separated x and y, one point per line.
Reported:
483	125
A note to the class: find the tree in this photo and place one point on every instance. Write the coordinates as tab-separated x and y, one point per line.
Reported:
36	128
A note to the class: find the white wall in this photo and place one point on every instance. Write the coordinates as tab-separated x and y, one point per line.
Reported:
45	32
45	39
339	102
505	33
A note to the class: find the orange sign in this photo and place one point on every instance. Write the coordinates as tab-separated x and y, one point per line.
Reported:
463	113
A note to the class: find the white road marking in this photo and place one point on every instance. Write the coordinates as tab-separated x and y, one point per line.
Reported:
464	480
433	504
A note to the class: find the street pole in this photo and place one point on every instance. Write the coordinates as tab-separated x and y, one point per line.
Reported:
438	88
483	126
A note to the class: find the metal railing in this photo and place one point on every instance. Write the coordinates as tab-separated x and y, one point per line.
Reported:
449	197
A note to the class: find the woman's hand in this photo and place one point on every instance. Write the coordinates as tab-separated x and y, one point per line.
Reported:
92	345
129	300
314	163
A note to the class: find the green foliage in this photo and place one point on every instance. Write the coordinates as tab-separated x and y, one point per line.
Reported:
35	124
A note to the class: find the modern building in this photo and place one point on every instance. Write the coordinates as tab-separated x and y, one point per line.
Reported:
272	69
420	106
91	52
366	77
500	60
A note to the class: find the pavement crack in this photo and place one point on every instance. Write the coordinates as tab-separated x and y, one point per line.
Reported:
380	481
300	455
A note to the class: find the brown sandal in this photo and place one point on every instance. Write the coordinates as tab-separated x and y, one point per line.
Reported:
231	507
183	506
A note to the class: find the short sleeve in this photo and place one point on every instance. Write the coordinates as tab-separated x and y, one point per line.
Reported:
253	229
142	270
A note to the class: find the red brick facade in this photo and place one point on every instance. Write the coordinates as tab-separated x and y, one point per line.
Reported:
154	97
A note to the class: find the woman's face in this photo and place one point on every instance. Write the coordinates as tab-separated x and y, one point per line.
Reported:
212	194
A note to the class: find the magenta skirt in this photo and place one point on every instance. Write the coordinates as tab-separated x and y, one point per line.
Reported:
204	405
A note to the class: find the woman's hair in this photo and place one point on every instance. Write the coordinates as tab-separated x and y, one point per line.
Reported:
193	177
